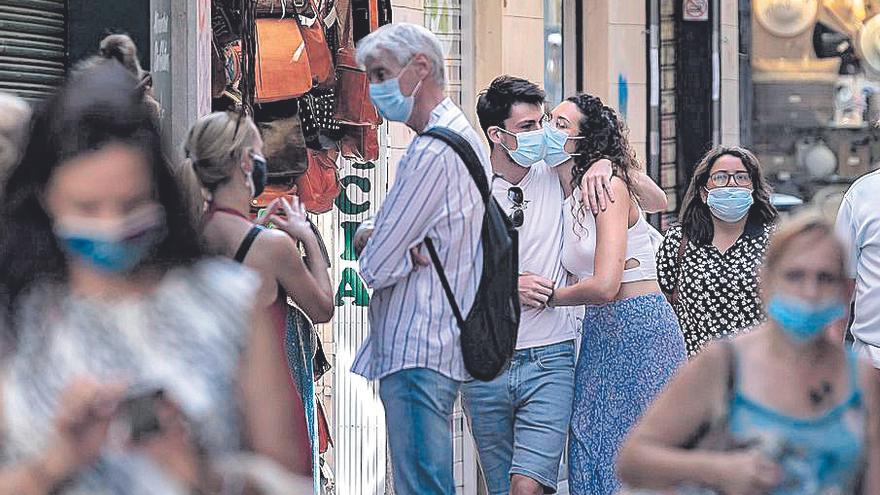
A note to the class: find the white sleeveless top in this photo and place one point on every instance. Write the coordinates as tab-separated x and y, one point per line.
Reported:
579	244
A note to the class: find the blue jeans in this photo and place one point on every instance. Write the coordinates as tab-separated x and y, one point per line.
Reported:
418	413
520	419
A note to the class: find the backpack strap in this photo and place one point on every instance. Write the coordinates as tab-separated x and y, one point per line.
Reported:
247	242
444	281
467	154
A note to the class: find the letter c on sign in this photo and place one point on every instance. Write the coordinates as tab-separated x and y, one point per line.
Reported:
344	204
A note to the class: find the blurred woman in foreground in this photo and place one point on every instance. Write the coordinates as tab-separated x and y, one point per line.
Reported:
783	410
132	358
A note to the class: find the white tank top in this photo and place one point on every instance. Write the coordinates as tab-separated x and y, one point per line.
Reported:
579	244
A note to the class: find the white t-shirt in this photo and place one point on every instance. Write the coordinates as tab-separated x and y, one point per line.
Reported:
858	225
540	251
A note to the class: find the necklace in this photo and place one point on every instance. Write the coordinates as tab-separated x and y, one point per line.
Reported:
819	394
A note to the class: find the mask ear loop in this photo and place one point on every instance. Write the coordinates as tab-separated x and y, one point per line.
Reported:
574	138
418	84
501	143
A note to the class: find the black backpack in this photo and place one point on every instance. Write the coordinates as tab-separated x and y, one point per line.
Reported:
488	335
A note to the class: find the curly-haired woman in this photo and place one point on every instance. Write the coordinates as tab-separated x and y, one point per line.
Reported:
631	343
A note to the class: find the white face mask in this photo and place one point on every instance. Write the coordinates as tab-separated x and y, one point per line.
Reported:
529	147
554	141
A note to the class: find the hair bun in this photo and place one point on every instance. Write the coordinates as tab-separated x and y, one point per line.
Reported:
121	48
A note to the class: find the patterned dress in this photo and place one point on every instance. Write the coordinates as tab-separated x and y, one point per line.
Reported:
717	292
630	348
629	351
186	337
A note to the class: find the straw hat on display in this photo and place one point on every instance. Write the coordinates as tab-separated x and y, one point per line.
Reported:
786	18
868	45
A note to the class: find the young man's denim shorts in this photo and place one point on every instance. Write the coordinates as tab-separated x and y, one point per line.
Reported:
520	419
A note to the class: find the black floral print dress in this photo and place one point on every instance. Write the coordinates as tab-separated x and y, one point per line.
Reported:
717	292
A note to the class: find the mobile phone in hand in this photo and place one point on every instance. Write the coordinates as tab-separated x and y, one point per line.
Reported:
138	411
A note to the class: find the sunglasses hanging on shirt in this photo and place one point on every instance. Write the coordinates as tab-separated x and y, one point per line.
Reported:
517	216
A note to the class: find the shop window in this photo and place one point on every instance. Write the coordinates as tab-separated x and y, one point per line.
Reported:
814	103
443	18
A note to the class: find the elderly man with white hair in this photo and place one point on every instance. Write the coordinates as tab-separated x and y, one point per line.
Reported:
413	347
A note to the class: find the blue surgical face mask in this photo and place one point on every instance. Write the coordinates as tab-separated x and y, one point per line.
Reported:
258	177
803	321
554	142
730	204
114	246
529	147
390	101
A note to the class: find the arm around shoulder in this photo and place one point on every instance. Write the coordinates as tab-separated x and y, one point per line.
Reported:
611	233
652	198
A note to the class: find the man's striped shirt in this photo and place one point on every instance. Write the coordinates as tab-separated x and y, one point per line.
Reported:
411	322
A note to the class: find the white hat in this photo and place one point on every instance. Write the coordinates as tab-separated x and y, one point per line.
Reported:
786	18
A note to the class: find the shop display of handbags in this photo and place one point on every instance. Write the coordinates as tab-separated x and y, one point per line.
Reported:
311	99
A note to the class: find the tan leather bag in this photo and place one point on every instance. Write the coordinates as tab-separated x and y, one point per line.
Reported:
280	8
319	186
282	71
353	105
320	59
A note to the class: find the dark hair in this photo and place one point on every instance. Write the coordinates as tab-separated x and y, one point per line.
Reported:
605	136
95	107
495	102
121	48
695	217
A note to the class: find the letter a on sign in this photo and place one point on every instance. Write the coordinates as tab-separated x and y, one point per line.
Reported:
695	10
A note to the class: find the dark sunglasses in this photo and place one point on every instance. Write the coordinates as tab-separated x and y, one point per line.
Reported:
515	195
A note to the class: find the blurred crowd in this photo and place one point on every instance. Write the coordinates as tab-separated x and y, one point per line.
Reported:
145	315
143	335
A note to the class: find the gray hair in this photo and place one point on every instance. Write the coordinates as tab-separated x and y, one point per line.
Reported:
404	41
15	117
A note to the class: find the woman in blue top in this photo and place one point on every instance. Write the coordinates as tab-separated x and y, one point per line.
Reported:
785	409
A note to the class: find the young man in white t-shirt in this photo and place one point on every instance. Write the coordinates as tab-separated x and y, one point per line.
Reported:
520	419
858	224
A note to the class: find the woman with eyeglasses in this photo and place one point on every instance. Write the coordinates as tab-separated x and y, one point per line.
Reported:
708	263
784	410
631	343
225	151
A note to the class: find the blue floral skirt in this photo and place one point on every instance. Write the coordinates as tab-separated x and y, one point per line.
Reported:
629	351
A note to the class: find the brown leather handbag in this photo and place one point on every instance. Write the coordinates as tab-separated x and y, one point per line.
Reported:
282	67
320	59
360	143
319	186
271	193
353	105
284	147
281	8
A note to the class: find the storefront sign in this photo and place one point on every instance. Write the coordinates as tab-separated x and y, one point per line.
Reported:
351	288
695	10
